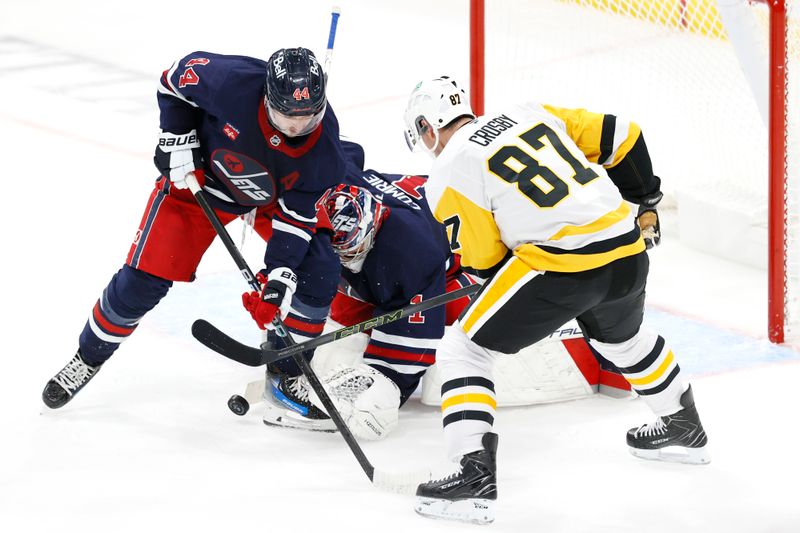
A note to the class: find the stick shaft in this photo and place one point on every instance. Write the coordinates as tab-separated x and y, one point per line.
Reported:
391	316
313	380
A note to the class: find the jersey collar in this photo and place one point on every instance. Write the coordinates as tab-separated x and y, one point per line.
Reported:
277	140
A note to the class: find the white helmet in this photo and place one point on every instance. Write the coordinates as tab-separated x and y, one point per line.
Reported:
439	102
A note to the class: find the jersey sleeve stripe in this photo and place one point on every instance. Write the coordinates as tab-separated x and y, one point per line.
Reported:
625	136
277	225
607	138
166	86
294	214
295	223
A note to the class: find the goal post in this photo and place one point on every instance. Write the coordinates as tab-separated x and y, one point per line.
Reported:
713	85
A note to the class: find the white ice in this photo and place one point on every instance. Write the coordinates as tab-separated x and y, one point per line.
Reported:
151	446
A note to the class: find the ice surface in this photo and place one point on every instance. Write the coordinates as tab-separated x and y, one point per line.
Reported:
151	446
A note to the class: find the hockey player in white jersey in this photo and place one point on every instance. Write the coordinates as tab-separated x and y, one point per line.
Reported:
556	238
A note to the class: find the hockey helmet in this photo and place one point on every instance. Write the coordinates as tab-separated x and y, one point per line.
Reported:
436	102
356	216
295	91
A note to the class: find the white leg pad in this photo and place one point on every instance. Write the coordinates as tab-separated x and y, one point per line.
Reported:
368	401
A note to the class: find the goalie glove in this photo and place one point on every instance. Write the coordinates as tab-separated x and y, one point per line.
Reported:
275	297
648	219
177	156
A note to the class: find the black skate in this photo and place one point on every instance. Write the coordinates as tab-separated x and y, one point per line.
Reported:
288	404
469	494
679	437
66	384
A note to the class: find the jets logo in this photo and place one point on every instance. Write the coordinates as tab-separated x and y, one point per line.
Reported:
233	163
343	223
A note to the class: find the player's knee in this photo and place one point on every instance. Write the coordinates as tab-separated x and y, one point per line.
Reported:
629	352
133	292
456	350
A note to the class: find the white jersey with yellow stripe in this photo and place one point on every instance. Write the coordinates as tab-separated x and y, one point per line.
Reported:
522	181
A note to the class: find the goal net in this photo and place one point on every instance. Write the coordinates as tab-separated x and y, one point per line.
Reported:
696	76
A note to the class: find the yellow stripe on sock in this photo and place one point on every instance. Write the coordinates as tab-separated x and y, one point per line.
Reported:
469	398
657	373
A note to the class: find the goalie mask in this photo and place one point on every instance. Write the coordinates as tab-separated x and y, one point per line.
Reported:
294	91
356	216
434	103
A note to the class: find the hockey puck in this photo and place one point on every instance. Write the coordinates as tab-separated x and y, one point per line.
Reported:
238	405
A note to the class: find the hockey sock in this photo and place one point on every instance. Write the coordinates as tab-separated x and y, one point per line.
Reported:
650	367
468	398
403	359
130	294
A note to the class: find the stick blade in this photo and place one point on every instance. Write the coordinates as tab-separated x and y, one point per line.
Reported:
400	482
213	338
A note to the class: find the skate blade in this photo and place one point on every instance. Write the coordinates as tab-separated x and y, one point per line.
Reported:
473	511
282	424
281	417
674	454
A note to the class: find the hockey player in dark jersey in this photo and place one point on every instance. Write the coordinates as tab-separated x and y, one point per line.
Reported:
393	253
259	136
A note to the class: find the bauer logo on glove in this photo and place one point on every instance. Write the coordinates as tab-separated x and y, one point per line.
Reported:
275	298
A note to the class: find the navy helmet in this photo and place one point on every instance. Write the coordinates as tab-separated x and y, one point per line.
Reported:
295	91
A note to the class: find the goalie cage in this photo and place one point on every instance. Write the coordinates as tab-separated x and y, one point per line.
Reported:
714	85
559	368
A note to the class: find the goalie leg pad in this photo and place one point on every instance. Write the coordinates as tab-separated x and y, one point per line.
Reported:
368	401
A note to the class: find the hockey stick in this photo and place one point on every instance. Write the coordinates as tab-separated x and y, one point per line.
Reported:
402	483
335	13
213	338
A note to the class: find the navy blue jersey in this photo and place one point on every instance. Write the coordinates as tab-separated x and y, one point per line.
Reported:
222	97
410	250
407	264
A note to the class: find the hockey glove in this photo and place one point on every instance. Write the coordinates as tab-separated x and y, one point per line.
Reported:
648	220
274	298
178	155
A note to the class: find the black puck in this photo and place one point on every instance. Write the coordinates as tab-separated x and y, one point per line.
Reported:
238	405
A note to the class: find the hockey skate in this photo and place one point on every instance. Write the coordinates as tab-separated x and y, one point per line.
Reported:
678	437
467	495
66	384
287	404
